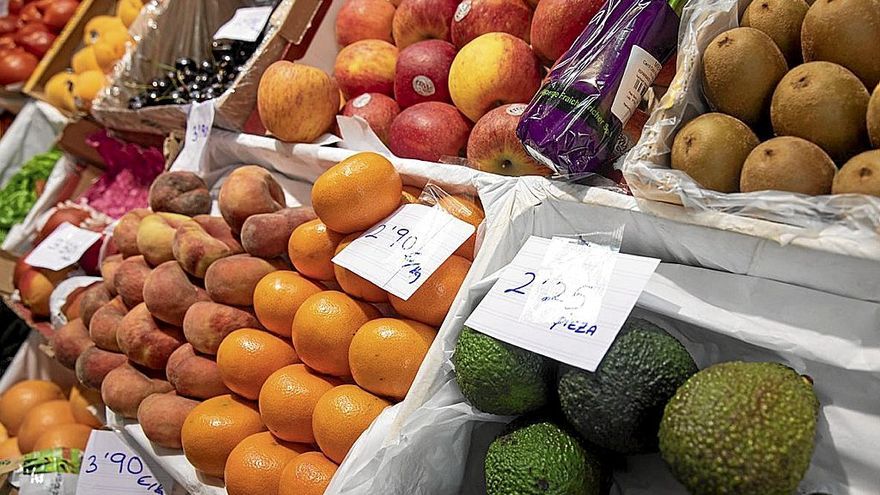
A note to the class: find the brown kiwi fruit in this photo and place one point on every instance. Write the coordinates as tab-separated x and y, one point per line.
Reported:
711	149
846	32
781	20
788	164
823	103
874	118
860	175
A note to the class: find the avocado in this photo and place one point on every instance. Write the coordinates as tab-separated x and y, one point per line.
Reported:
618	407
542	458
740	428
499	378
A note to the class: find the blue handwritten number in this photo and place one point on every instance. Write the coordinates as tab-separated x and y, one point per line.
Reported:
375	233
118	458
401	232
92	467
140	465
518	290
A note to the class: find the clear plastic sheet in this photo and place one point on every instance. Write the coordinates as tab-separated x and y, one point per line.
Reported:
647	165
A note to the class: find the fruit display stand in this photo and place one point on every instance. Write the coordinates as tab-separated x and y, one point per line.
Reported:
438	440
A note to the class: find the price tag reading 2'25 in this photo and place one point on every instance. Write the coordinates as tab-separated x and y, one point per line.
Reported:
402	251
575	342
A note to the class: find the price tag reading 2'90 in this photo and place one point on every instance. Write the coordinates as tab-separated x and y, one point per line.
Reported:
402	251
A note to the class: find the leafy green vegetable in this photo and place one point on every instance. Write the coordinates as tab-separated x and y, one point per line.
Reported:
18	196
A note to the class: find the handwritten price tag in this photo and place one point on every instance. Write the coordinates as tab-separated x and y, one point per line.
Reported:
403	250
110	466
63	247
578	342
245	25
198	130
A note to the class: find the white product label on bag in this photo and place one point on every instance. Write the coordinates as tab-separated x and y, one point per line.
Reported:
198	130
568	337
63	247
402	251
245	25
110	466
641	70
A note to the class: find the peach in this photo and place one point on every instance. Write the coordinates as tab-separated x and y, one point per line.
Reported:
162	415
105	323
232	280
194	375
108	272
207	323
249	190
94	364
201	241
70	308
168	293
155	235
125	387
129	280
366	66
146	341
180	192
35	289
93	298
125	232
70	341
266	235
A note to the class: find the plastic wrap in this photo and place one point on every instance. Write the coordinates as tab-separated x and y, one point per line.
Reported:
647	168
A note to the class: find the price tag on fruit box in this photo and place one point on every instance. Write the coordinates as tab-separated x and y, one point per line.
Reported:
402	251
63	247
199	122
111	466
246	24
559	330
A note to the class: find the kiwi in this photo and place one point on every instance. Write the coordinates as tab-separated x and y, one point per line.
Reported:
846	32
711	149
823	103
874	118
788	164
740	69
860	175
781	20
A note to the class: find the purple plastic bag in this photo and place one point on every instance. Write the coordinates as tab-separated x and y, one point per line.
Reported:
574	123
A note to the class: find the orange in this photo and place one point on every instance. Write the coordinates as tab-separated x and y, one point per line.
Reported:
22	397
88	84
80	399
307	474
341	415
9	449
84	60
254	466
247	356
353	284
288	399
430	303
3	433
386	353
72	436
466	210
357	192
278	295
214	427
39	419
311	247
323	328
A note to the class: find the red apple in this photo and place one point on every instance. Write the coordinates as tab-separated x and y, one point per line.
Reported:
422	73
429	131
364	20
557	23
475	17
366	66
417	20
377	109
493	145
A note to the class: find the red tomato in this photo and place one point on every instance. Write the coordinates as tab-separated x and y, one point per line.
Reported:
27	29
16	66
7	41
9	24
36	42
31	13
15	6
58	13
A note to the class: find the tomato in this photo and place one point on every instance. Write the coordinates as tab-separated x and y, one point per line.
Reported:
15	6
16	66
27	29
58	13
31	13
36	42
9	24
7	41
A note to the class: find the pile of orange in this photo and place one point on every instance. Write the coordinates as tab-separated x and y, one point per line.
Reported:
328	363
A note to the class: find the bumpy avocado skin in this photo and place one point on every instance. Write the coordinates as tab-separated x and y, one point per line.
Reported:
499	378
740	428
541	458
619	406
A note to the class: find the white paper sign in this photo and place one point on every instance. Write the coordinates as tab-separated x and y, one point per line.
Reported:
63	247
198	131
110	466
402	251
245	25
575	342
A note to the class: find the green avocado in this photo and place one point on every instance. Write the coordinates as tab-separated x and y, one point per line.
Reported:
618	407
499	378
741	428
542	458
